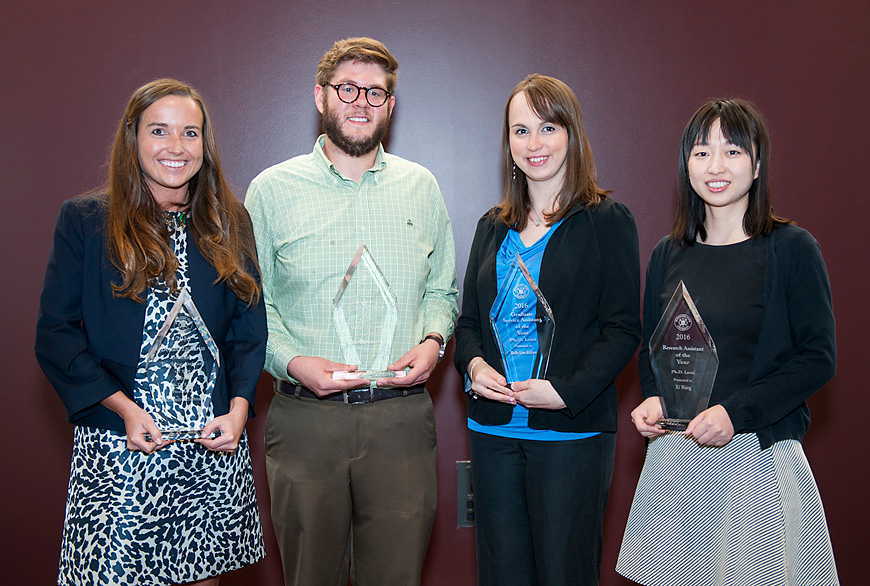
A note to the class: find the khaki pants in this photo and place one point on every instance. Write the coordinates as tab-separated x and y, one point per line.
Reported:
359	472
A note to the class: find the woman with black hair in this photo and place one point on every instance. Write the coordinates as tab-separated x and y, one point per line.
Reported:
732	500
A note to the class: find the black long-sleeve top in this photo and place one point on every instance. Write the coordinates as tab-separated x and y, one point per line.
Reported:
590	276
796	352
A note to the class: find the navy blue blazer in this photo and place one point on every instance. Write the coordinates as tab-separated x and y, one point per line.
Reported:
88	341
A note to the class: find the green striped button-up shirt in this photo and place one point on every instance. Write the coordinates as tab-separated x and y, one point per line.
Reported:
309	221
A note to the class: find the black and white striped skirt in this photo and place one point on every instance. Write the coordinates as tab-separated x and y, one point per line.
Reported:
730	516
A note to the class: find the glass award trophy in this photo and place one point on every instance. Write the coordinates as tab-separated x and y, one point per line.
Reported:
365	313
181	370
684	361
523	323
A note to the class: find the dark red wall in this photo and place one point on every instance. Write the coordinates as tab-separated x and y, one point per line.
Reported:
639	69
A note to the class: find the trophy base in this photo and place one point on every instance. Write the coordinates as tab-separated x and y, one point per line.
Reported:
366	374
182	435
673	424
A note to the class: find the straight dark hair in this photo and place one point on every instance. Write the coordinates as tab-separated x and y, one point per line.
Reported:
553	101
741	124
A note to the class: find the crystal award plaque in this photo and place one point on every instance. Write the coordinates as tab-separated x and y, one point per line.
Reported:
181	369
365	313
684	361
523	323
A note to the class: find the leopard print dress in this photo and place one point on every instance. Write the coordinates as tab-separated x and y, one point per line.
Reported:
181	514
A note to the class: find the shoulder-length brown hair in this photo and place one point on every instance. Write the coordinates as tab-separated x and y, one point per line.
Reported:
553	101
138	239
742	125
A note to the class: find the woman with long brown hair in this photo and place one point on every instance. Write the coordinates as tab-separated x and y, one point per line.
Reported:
543	440
152	331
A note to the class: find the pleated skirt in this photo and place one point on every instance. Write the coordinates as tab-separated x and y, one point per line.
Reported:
730	516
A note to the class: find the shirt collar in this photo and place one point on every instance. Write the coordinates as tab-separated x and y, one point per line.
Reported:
323	160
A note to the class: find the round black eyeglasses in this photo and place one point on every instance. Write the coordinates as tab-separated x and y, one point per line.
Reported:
349	92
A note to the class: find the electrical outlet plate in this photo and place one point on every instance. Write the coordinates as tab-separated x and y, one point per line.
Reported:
464	495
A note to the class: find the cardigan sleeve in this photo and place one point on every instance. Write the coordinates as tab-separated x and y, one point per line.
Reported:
796	352
61	340
617	312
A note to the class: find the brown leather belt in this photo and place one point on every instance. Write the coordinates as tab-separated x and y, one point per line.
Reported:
352	397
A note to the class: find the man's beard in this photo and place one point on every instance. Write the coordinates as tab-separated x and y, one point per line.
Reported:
355	147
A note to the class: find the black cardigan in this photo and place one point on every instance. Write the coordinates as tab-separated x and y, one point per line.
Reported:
796	351
88	341
590	276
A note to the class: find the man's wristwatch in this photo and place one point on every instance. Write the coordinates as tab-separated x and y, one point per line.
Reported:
441	343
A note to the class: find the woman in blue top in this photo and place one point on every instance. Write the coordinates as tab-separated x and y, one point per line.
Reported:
542	449
732	500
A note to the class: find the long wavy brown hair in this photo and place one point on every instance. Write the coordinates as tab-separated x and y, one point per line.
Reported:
553	101
138	240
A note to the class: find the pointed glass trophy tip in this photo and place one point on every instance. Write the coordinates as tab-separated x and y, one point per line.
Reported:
683	360
365	314
523	323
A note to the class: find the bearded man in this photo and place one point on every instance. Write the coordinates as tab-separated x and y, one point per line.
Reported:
351	461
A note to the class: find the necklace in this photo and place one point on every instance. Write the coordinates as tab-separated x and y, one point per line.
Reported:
535	219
